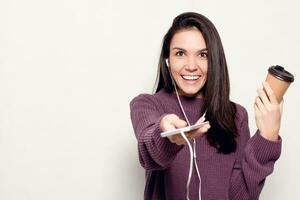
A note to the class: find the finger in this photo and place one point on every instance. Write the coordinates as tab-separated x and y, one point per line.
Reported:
204	114
281	106
181	141
257	111
263	96
189	136
270	92
178	123
183	138
169	126
167	122
259	104
177	139
204	128
200	120
199	132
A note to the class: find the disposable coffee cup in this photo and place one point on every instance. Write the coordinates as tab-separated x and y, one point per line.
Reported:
279	80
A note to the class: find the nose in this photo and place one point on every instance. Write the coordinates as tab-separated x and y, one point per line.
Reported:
191	65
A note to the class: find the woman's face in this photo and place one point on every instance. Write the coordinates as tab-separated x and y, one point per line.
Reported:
188	61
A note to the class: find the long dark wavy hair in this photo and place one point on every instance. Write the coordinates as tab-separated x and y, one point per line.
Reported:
220	111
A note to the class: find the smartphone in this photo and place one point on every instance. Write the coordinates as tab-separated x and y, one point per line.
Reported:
184	129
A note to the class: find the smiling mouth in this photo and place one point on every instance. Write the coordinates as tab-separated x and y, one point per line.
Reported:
191	77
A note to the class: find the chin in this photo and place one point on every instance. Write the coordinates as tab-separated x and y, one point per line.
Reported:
191	92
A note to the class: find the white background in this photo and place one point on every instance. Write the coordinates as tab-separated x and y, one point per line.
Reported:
69	68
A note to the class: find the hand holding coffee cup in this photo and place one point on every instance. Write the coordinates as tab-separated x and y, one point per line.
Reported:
267	108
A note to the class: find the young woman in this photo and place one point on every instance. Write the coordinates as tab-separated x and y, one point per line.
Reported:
218	160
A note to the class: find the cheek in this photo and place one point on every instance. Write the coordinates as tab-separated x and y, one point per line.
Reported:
204	69
173	75
174	71
205	73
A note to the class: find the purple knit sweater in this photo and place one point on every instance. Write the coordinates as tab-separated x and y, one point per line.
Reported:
235	176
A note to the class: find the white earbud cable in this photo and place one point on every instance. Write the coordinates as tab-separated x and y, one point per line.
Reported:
191	165
198	173
191	149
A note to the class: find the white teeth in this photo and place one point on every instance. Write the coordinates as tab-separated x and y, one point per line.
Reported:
190	77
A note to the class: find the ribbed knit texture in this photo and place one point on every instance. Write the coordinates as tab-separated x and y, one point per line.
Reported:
236	176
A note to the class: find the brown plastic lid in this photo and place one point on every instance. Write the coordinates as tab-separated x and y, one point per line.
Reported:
280	73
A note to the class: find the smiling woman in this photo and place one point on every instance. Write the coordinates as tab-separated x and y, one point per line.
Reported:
188	58
193	82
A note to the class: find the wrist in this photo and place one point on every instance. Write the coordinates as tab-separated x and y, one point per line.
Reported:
271	137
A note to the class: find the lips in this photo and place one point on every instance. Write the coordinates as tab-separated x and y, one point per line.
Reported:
190	77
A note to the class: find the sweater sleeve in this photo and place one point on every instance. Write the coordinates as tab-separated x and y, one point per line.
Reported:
155	152
255	162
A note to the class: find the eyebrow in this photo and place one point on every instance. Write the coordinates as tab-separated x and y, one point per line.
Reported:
181	49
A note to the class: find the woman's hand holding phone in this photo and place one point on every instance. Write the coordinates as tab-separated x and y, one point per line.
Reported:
172	121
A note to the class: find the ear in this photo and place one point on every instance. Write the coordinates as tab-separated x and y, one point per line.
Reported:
167	62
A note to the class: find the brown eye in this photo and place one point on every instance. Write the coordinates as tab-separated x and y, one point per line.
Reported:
203	55
179	53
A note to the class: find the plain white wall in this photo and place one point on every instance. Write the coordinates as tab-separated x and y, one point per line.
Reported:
68	70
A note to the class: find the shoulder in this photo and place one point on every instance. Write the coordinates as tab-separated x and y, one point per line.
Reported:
153	99
241	113
141	97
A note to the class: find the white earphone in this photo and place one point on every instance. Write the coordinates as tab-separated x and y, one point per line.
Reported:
167	62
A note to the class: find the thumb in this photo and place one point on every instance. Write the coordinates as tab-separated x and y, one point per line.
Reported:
179	123
200	120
